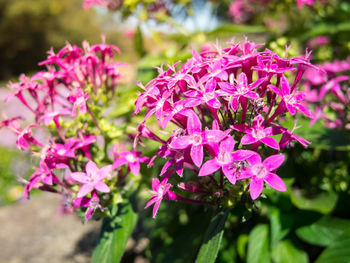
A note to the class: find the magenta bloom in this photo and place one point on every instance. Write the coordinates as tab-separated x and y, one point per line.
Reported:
226	159
196	138
92	179
133	159
290	99
300	3
92	204
261	172
160	189
257	133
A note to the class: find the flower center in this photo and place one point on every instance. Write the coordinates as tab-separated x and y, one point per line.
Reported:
196	139
209	96
259	170
290	99
130	158
224	158
259	134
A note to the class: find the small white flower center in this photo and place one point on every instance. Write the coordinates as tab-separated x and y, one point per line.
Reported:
130	158
196	139
224	158
259	170
259	134
290	99
209	96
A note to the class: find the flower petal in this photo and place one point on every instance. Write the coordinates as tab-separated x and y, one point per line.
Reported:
248	139
180	142
84	190
255	187
91	168
197	154
102	187
79	177
209	167
275	182
134	168
271	142
273	162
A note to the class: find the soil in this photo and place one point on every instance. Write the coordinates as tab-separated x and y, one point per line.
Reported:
33	232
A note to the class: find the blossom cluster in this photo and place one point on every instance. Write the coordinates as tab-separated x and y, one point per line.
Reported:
328	91
129	7
241	10
69	102
222	117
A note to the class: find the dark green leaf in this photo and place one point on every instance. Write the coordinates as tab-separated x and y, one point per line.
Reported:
114	235
258	245
338	252
211	245
323	202
286	252
280	225
324	232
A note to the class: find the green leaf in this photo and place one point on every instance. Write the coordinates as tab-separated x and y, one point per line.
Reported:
138	43
242	242
338	252
323	202
280	225
324	232
326	29
286	252
212	240
258	245
236	28
114	235
320	136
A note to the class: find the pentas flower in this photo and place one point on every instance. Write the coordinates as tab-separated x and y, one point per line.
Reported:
258	133
240	93
196	138
92	203
300	3
92	179
291	100
160	191
226	159
133	159
330	94
261	172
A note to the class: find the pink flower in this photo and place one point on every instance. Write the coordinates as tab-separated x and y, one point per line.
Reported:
257	133
226	160
92	179
261	172
92	204
133	159
300	3
160	190
196	138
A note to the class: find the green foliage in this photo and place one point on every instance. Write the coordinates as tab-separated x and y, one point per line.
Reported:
29	28
258	245
12	164
211	244
115	233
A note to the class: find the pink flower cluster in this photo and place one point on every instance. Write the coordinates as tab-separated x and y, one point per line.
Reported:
67	98
226	105
328	91
242	10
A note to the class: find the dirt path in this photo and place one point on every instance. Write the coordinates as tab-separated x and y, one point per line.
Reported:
32	232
